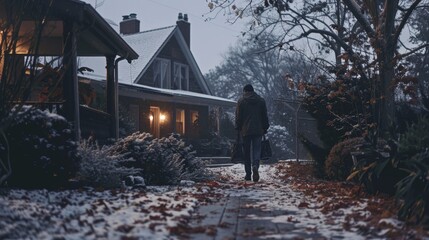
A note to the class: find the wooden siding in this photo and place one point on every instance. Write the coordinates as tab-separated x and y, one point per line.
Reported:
172	52
169	109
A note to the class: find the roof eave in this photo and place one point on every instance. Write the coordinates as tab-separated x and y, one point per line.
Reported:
109	34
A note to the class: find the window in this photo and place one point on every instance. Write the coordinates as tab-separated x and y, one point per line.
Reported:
161	73
195	124
181	76
180	121
134	117
194	118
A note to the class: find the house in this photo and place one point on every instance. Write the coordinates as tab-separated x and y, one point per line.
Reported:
164	90
69	29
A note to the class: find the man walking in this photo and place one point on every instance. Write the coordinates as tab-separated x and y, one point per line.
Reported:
251	120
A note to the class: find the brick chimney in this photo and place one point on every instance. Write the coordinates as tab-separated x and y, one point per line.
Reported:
130	24
185	27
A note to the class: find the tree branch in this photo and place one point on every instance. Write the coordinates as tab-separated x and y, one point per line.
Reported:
400	56
356	10
405	18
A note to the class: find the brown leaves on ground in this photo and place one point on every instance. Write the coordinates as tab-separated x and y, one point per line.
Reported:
335	196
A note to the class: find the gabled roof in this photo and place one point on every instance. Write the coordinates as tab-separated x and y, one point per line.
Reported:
148	45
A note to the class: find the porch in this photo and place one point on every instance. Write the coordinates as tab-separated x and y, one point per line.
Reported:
42	41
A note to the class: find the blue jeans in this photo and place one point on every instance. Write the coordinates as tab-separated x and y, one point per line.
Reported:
252	152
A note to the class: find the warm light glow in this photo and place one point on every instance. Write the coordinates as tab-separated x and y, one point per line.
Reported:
151	117
162	117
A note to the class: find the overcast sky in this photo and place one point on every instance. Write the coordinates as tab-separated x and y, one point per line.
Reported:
209	39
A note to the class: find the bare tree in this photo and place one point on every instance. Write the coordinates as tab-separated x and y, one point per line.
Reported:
364	34
274	74
19	63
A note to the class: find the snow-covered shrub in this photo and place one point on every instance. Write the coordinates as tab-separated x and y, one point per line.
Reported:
163	161
99	168
281	141
41	149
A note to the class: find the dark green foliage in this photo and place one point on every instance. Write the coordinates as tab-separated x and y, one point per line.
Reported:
339	163
99	168
227	128
126	122
413	152
377	168
163	161
215	146
414	189
42	150
415	140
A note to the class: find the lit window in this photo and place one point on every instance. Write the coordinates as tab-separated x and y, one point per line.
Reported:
180	121
161	73
181	76
194	118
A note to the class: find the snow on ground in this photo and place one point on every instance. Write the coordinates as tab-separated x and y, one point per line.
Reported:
306	214
91	214
158	212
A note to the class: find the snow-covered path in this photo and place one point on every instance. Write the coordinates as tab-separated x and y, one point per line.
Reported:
270	209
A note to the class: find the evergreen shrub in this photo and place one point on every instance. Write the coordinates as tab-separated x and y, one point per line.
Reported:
339	163
99	168
164	161
42	149
413	189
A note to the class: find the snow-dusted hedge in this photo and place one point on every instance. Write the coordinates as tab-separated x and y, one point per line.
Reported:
100	168
281	141
41	149
163	161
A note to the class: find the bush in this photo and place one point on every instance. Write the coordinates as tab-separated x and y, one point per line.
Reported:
41	149
99	168
280	140
339	163
377	166
215	146
163	161
413	189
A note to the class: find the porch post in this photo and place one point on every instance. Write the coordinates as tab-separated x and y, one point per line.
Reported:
111	95
70	81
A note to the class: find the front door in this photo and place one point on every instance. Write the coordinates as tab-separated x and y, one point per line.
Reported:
154	121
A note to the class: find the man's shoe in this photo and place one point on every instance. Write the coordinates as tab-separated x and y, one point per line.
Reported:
247	178
255	174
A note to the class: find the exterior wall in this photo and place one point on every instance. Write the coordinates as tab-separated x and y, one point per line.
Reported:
172	52
128	106
169	109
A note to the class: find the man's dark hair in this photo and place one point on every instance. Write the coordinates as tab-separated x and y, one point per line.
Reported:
248	88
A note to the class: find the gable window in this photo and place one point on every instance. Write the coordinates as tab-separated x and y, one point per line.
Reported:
181	76
161	73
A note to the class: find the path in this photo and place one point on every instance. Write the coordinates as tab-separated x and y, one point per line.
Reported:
266	210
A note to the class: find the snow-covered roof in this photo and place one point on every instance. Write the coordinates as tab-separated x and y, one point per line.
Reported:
161	94
147	44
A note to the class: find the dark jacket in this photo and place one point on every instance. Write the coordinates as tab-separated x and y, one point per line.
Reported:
251	116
